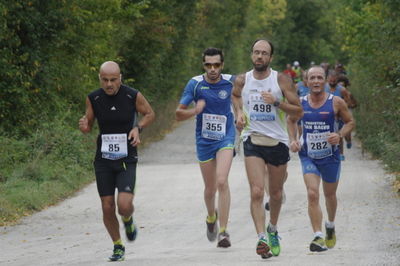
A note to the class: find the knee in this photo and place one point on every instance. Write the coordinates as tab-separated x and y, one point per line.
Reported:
108	207
257	193
330	196
222	184
125	209
209	191
276	194
313	196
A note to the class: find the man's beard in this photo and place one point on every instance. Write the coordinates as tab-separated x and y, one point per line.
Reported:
260	68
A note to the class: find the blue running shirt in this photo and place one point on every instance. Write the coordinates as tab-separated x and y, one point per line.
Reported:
216	122
316	125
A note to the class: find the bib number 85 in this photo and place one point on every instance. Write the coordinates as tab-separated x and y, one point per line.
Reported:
113	147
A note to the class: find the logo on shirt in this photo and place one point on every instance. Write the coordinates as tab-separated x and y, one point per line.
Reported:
113	108
223	94
204	88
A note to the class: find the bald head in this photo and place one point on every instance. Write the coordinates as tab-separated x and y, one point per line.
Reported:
110	77
110	67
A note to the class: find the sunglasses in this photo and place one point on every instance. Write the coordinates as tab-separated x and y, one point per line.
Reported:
210	65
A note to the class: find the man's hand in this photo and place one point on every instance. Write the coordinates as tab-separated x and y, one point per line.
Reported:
84	124
240	121
134	136
334	138
200	106
295	146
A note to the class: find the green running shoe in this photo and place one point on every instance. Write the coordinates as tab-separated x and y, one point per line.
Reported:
118	253
273	242
318	245
262	247
330	237
131	230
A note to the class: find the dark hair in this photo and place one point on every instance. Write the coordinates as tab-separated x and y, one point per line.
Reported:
344	79
261	39
211	51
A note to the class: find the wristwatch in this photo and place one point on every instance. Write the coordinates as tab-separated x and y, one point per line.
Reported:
276	103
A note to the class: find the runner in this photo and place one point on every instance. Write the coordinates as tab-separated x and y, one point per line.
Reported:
215	138
319	153
261	97
114	106
334	88
351	103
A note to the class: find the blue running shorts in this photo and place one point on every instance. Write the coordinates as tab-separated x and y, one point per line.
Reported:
328	171
207	152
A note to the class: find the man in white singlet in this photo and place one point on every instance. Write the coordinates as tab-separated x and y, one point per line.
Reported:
262	98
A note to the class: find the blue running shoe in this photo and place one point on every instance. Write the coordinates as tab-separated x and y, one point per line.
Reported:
131	229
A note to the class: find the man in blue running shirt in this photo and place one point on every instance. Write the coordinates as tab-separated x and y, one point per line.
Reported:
215	137
319	152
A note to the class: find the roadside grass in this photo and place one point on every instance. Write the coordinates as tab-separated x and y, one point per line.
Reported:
54	162
43	169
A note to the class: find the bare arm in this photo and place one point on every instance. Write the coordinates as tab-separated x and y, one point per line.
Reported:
342	112
183	113
292	105
148	116
238	102
86	122
294	133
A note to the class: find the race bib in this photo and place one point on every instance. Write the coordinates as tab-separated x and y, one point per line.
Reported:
259	110
318	146
114	146
213	127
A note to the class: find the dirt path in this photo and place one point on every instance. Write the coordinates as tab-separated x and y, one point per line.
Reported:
171	213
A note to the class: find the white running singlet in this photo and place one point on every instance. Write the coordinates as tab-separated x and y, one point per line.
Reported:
261	117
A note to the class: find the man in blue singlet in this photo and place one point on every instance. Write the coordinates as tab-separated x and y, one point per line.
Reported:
319	153
215	137
262	98
301	86
332	86
114	105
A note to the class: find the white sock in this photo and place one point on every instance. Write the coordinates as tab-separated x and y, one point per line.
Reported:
261	235
271	228
330	224
319	234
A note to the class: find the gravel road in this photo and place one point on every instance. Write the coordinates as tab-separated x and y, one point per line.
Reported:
171	215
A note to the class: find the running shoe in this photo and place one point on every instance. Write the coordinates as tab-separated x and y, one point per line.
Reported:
267	206
342	158
130	229
318	245
212	229
223	240
330	237
348	145
262	248
273	242
118	253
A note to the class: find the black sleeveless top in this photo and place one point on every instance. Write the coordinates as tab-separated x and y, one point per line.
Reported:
115	115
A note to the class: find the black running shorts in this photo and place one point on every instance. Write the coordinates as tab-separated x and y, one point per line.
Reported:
114	174
276	155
